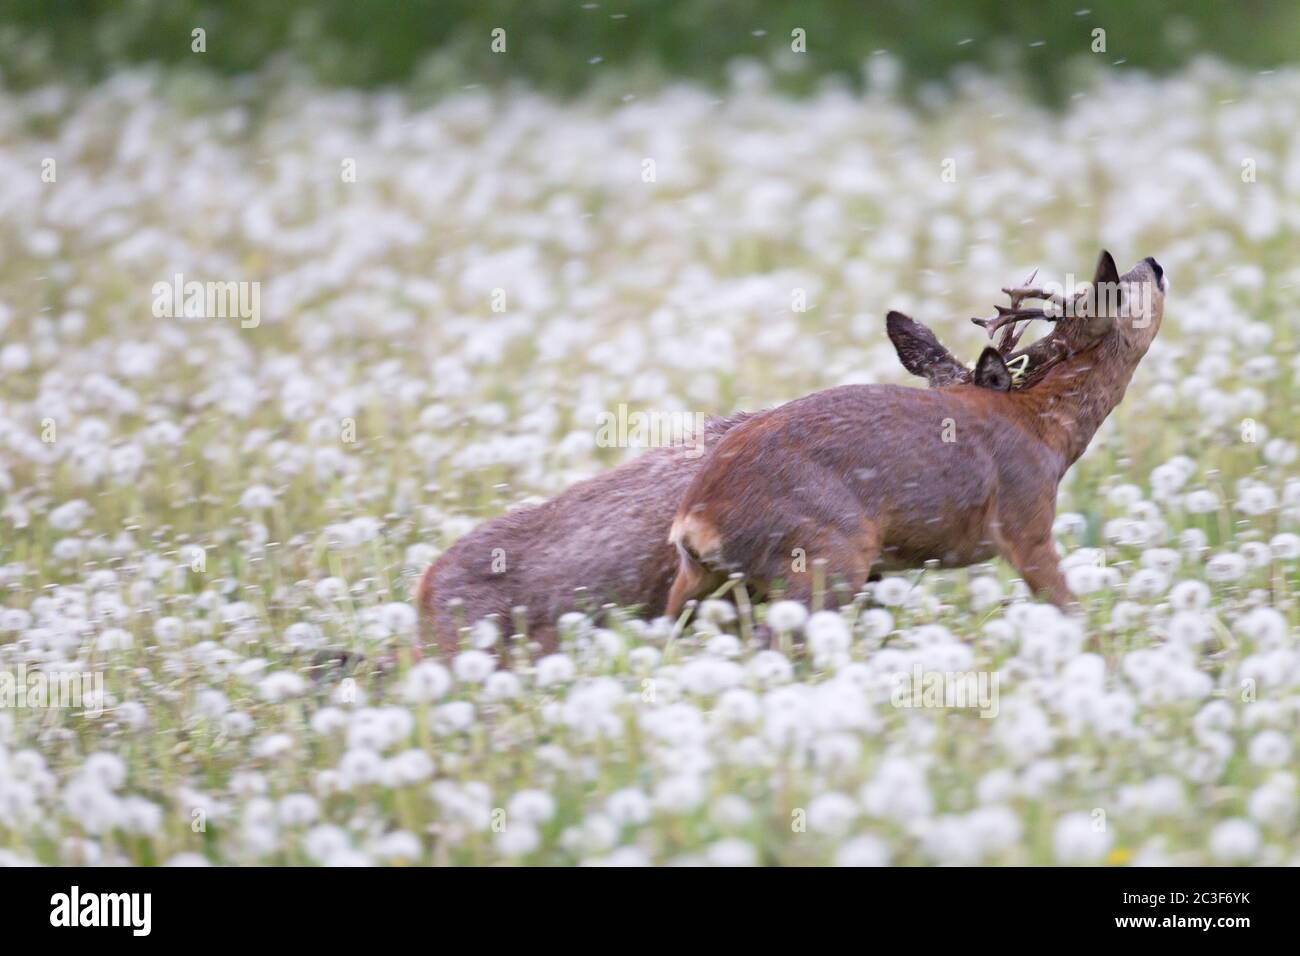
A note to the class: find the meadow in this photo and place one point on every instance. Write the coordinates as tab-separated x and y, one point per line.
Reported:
223	517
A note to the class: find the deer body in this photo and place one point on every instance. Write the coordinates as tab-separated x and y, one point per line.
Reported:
871	476
604	539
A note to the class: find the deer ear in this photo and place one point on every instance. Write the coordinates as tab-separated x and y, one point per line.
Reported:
1104	297
1106	270
991	371
921	352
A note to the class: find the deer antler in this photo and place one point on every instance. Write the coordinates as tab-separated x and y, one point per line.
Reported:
1009	318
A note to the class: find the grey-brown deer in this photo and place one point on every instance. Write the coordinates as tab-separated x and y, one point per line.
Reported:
867	477
606	539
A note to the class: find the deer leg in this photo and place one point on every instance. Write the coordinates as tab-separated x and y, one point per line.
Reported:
1038	565
693	581
847	563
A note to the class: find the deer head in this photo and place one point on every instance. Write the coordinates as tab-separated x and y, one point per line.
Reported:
1123	313
1078	372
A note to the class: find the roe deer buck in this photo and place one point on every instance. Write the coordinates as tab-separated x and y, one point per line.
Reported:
606	538
877	476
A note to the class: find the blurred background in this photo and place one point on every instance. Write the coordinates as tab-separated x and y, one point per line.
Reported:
464	259
566	46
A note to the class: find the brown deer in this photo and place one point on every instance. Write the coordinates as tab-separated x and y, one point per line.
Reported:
606	539
877	476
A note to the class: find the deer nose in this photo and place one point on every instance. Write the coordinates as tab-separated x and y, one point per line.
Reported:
1156	268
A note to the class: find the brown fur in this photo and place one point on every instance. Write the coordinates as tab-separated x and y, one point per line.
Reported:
607	536
603	540
861	476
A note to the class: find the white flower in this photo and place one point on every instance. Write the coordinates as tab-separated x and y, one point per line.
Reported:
1225	566
425	682
731	852
1080	838
272	746
502	685
1270	748
862	851
707	676
723	645
985	591
331	590
399	845
555	669
731	811
827	634
877	623
1274	804
484	634
1147	583
140	817
1266	626
898	792
679	794
167	631
607	645
1085	578
236	723
328	720
1285	546
408	767
281	685
473	667
831	813
1278	451
530	806
398	617
69	516
452	718
297	810
324	842
623	856
1190	627
739	707
115	639
770	668
717	612
107	769
257	498
628	807
1256	499
1190	596
786	616
1234	841
892	591
360	766
518	839
643	659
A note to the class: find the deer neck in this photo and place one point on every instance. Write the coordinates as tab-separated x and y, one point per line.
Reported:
1074	398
